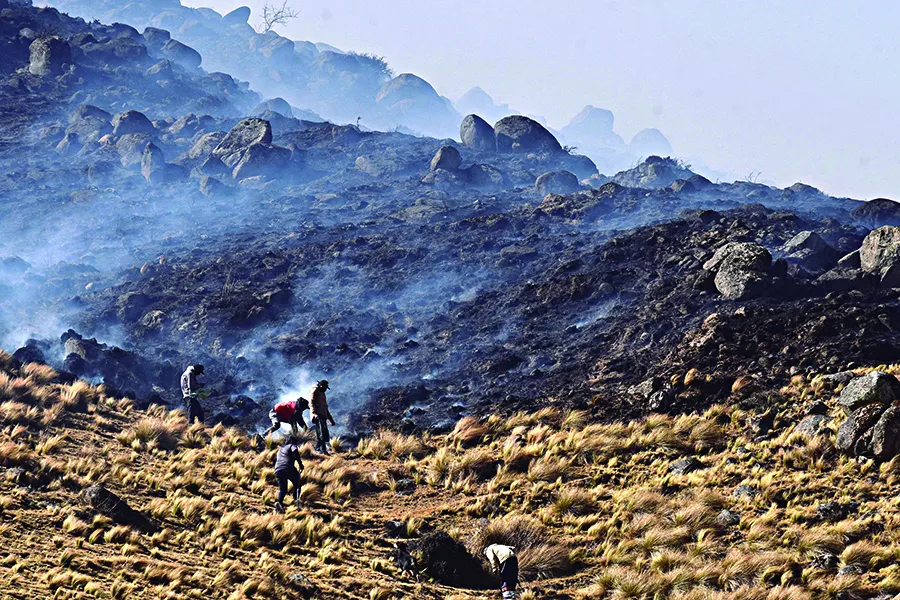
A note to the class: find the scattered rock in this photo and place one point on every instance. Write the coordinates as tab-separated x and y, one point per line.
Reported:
446	158
835	511
745	491
813	425
810	251
726	518
824	561
557	182
685	466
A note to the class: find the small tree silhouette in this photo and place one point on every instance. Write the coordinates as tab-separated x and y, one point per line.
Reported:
274	16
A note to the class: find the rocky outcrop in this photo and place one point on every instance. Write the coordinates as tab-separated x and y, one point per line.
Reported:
741	270
872	427
518	133
238	16
880	255
557	182
49	56
655	172
446	158
477	134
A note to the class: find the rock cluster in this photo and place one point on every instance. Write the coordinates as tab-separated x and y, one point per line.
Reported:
872	427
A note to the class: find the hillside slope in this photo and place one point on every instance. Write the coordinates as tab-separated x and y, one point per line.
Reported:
595	510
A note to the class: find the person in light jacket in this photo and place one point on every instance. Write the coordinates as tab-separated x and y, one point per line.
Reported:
321	416
505	563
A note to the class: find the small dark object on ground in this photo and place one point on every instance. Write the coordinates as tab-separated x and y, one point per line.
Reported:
404	560
447	561
110	505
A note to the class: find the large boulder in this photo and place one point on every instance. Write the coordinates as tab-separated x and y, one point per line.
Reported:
181	54
49	56
261	160
884	442
854	432
242	136
477	134
744	254
740	270
880	255
518	133
875	388
446	158
557	182
132	121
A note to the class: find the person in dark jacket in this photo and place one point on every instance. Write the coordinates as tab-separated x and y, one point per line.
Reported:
189	388
290	412
286	471
321	416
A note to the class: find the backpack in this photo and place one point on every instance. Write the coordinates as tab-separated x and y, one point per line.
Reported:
285	410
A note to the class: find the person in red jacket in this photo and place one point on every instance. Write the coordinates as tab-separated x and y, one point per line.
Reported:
288	411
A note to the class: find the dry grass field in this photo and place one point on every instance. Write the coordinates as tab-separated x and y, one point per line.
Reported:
595	510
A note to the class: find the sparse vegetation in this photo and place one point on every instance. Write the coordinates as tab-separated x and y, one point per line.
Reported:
592	509
275	15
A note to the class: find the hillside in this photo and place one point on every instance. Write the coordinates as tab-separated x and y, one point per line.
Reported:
733	502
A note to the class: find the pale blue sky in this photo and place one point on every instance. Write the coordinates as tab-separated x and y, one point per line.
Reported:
797	90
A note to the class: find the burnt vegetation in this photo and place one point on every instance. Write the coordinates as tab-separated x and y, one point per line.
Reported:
649	384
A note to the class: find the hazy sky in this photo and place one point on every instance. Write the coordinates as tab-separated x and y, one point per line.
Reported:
797	90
